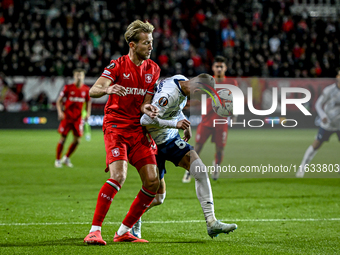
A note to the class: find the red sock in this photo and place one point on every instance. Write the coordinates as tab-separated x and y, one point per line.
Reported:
60	147
71	149
218	158
139	206
105	197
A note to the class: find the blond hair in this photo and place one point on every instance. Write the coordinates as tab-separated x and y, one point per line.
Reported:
135	28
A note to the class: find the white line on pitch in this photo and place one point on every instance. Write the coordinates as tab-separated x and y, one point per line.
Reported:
164	222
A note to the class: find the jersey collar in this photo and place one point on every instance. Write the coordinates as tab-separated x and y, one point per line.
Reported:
179	86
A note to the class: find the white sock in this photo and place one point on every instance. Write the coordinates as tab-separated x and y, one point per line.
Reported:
123	229
158	200
307	158
95	228
203	189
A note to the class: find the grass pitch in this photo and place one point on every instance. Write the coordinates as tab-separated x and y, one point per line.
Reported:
45	210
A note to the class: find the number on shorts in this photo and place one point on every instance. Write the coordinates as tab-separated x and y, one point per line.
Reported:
180	143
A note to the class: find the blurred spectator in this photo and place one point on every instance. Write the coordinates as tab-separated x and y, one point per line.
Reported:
53	37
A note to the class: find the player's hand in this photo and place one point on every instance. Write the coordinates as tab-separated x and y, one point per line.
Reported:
183	124
116	89
324	120
150	110
61	115
87	118
187	134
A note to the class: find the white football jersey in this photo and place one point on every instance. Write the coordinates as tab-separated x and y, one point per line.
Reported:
328	105
170	101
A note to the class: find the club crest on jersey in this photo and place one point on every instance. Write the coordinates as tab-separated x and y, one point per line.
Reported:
115	152
148	78
110	66
83	93
163	101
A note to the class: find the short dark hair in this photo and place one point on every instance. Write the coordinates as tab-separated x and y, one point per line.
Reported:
219	59
206	79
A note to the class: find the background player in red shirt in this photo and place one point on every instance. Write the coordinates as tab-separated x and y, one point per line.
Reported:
129	81
69	106
205	128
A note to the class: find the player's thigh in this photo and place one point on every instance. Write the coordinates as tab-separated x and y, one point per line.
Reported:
115	146
64	127
188	158
220	136
142	149
78	128
323	135
203	133
174	150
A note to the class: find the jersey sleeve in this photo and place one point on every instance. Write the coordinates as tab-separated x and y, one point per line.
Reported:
151	89
63	93
322	100
111	71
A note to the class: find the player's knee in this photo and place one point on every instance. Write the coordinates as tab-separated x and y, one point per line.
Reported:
151	184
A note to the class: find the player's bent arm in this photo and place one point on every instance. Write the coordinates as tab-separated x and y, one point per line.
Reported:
158	122
318	106
59	108
100	87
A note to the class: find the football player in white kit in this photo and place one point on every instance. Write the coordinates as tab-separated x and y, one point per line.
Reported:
328	109
169	100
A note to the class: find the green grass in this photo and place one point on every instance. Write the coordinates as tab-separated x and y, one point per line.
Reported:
45	210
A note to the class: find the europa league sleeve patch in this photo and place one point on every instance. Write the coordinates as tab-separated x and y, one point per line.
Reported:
163	101
110	66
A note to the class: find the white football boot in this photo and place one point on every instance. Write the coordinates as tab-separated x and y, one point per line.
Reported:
137	229
215	174
57	163
66	161
219	227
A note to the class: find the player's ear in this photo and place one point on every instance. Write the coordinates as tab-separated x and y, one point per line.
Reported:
132	45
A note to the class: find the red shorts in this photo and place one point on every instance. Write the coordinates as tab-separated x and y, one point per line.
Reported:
66	126
130	146
218	134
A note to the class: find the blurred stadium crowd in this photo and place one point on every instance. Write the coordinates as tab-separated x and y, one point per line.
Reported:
258	38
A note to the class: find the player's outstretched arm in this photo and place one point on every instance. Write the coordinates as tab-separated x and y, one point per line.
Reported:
158	122
102	87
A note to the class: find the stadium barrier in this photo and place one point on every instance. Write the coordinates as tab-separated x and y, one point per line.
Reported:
16	113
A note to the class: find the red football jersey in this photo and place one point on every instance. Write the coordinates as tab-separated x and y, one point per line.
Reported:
208	119
74	99
124	111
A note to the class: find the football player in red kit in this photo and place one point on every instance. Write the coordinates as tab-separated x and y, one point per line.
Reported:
69	106
205	129
129	81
